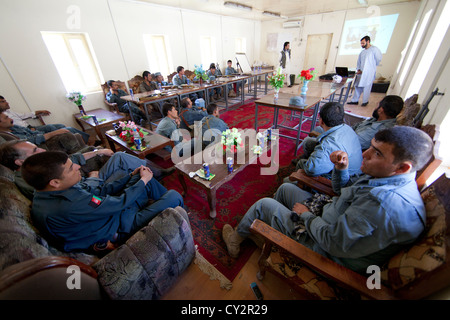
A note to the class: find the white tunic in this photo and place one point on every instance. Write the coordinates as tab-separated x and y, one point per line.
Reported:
368	61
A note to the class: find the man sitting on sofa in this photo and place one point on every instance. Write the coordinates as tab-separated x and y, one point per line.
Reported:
115	165
61	137
189	114
77	216
19	120
375	215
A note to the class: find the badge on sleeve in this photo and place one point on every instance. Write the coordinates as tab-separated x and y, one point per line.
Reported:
95	202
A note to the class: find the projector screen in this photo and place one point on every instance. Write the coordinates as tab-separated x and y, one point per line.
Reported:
379	29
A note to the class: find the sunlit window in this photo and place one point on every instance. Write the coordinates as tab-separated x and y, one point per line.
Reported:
75	61
430	51
240	45
158	53
208	51
416	43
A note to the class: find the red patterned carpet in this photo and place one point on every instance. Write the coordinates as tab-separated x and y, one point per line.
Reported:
237	196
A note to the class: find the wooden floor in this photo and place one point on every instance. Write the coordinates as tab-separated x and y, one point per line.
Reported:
193	284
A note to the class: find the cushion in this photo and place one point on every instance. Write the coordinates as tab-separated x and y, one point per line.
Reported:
427	254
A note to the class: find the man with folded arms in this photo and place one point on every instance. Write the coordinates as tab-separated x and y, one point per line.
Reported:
77	216
375	215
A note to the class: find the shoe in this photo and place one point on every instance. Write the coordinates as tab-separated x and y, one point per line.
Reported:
232	240
351	102
364	104
289	85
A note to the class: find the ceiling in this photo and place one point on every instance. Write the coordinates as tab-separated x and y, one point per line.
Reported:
286	8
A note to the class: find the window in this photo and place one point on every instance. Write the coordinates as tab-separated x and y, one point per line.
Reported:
240	45
75	61
158	54
208	50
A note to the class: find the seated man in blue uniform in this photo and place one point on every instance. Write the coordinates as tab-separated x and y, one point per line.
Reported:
108	165
169	127
336	136
375	215
213	74
383	117
114	96
230	71
76	215
190	114
212	125
180	79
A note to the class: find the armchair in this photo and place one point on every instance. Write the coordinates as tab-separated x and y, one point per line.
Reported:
113	106
413	273
134	83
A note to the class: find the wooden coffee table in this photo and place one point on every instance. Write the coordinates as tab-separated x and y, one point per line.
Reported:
221	173
108	116
153	142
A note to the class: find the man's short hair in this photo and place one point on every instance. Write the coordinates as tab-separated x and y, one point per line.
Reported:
39	169
179	68
1	97
211	108
166	108
9	154
110	83
229	61
332	114
367	38
184	102
392	105
409	144
212	66
145	74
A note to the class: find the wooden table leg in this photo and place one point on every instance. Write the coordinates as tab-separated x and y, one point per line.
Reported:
212	202
183	183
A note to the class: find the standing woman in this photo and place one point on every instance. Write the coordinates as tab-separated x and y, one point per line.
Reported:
285	61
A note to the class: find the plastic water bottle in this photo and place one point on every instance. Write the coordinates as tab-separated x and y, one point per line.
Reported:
187	81
137	139
132	94
159	86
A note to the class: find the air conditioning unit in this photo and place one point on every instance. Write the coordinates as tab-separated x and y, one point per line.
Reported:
293	24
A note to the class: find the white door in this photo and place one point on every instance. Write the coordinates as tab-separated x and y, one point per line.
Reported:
317	51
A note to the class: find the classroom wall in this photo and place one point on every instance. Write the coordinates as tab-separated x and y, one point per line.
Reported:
333	22
29	80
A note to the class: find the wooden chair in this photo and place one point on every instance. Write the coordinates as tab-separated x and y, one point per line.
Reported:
413	273
113	106
134	83
189	74
170	76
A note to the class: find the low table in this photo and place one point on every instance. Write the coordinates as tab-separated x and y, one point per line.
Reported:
109	117
153	142
221	172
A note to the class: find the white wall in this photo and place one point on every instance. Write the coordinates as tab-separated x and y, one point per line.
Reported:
30	81
333	23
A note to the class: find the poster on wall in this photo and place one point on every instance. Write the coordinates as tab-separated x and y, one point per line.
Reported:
275	41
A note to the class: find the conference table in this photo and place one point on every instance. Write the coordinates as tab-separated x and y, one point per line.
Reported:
318	92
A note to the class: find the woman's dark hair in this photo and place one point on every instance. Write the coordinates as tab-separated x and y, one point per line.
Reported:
332	114
39	169
410	144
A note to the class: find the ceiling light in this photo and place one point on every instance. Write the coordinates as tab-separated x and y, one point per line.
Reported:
272	14
236	5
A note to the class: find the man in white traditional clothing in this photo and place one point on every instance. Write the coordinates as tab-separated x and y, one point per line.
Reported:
366	66
285	61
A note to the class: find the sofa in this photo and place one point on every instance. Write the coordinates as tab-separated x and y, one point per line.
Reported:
144	267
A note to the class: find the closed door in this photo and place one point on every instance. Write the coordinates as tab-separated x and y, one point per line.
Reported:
317	51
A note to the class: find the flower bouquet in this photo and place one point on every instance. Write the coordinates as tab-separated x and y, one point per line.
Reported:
277	82
77	98
200	73
127	131
307	75
231	139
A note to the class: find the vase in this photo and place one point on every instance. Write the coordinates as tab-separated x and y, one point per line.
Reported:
275	94
304	87
82	112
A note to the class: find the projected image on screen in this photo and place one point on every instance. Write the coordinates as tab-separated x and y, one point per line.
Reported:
379	29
